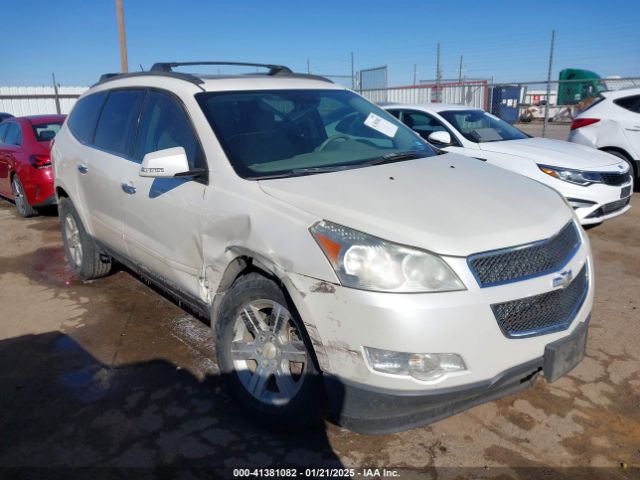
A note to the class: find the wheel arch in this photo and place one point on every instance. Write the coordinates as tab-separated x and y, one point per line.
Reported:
247	261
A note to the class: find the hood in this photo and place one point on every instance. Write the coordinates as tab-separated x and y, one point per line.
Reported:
447	204
551	152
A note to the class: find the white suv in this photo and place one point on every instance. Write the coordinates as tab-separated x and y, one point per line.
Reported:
612	124
338	257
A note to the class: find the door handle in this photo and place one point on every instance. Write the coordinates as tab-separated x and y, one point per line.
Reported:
83	169
127	188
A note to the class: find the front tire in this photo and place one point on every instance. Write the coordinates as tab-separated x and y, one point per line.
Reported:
22	204
265	356
83	254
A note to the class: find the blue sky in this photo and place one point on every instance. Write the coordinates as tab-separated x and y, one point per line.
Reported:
506	40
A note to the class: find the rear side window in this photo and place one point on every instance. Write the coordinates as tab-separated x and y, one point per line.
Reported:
13	135
630	103
164	124
83	119
45	132
117	123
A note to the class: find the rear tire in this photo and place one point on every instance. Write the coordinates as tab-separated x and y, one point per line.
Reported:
265	356
22	204
81	250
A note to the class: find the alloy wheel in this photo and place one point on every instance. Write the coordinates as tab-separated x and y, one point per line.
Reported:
18	194
268	353
74	244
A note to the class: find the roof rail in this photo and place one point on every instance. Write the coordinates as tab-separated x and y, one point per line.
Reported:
107	76
169	66
180	76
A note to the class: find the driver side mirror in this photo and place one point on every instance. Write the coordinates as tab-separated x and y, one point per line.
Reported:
440	138
167	163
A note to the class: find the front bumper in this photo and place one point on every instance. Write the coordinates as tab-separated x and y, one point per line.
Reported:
342	321
367	410
606	201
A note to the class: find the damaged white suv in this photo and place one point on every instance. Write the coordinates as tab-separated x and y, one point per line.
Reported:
342	262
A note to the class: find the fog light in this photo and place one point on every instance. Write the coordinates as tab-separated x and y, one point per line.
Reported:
422	366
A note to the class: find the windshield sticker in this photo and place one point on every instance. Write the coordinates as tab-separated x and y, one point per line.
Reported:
381	125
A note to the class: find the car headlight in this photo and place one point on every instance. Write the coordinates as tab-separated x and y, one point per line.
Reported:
577	177
370	263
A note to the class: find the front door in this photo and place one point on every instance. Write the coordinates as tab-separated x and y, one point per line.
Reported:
162	216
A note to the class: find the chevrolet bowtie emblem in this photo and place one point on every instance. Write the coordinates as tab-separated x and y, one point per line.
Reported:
563	279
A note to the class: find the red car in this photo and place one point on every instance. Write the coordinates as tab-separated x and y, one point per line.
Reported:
26	175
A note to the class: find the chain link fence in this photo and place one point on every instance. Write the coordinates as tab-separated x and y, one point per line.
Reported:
525	101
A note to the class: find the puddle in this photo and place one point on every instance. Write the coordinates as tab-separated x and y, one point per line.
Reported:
51	267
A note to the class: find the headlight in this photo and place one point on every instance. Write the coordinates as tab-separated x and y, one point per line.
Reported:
370	263
577	177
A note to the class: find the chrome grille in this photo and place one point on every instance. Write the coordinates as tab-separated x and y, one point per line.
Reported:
615	178
496	267
545	313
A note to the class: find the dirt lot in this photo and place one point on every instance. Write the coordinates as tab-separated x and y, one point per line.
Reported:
111	373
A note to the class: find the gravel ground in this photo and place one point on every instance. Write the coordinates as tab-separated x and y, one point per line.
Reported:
111	373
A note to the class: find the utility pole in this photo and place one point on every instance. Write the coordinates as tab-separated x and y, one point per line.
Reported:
308	66
460	86
546	107
55	93
415	74
124	62
438	74
353	73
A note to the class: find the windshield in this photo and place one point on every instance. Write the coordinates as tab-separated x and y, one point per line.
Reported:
480	127
273	133
45	132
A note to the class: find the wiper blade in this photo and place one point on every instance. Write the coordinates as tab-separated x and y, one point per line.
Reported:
397	157
297	172
328	168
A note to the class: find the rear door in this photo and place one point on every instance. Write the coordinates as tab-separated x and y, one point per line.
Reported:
4	166
630	121
101	168
162	216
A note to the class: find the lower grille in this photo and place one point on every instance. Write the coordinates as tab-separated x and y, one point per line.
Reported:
608	208
545	313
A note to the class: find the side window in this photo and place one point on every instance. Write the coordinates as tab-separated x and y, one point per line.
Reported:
164	124
82	120
3	130
422	123
117	122
395	113
13	135
631	103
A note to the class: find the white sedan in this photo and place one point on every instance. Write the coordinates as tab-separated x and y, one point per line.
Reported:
596	184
